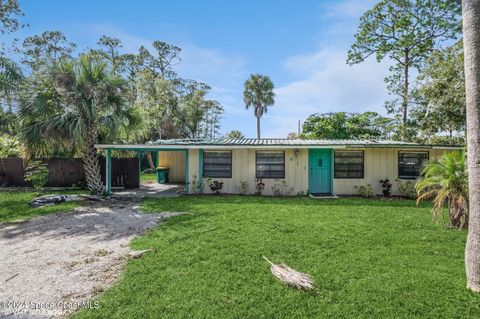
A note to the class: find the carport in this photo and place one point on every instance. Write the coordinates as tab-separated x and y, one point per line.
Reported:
138	148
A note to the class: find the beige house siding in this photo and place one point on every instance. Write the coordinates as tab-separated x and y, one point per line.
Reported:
175	161
243	169
379	163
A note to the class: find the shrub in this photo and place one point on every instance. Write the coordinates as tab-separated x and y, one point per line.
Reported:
386	187
365	191
407	188
216	186
37	174
259	186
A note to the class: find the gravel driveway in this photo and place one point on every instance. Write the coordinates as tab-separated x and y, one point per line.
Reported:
51	264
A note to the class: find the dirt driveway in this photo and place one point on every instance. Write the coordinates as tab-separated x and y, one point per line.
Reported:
51	264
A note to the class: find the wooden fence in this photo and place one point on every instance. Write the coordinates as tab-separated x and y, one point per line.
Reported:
67	172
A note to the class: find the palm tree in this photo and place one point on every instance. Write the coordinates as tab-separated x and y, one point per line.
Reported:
471	41
258	93
445	181
235	134
74	103
10	77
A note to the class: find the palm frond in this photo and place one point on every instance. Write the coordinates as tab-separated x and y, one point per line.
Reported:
445	182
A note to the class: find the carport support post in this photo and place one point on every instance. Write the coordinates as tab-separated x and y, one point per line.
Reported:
108	172
187	186
200	170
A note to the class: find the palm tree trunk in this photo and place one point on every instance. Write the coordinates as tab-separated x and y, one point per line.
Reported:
258	126
471	40
91	164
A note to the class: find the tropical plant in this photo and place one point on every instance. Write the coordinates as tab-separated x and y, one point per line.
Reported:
343	125
445	182
9	146
10	12
75	102
406	188
471	41
258	94
235	134
48	47
10	77
216	186
386	187
37	175
365	191
440	95
259	186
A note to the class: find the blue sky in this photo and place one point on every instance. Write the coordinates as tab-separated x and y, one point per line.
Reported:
301	45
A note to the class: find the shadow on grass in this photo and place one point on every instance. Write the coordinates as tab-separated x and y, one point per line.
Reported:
192	202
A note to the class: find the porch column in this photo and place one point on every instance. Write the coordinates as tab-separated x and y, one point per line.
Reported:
187	186
200	169
108	172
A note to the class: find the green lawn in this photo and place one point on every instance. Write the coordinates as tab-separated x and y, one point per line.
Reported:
14	206
369	259
148	178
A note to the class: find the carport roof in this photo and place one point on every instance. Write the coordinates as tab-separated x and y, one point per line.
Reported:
265	143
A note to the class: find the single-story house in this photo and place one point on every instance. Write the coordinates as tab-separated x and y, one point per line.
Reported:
288	166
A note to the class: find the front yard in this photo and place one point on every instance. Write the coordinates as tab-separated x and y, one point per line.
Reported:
14	206
369	259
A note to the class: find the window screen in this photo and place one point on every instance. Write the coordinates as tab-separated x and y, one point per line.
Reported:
349	164
270	164
217	164
410	164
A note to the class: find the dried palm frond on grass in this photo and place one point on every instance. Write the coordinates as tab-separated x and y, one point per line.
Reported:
291	277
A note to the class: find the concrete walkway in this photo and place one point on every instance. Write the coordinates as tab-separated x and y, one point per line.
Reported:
152	190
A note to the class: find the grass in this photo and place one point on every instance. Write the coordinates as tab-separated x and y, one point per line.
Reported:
369	259
14	206
148	178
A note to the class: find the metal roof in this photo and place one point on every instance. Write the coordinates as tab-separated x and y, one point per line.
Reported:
274	142
267	143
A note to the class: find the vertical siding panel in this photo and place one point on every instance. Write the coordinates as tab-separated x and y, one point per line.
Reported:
175	161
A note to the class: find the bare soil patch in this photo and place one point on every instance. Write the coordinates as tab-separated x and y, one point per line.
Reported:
57	261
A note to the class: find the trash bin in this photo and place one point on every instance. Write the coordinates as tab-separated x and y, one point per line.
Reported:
162	175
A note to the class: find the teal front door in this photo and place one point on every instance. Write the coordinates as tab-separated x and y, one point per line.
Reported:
320	171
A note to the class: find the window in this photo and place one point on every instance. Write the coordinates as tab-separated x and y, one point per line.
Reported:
410	164
270	164
348	164
217	164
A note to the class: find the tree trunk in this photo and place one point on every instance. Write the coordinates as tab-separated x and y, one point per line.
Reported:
91	164
471	40
405	96
150	160
258	126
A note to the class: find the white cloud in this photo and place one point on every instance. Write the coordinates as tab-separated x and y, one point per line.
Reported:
323	81
328	84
